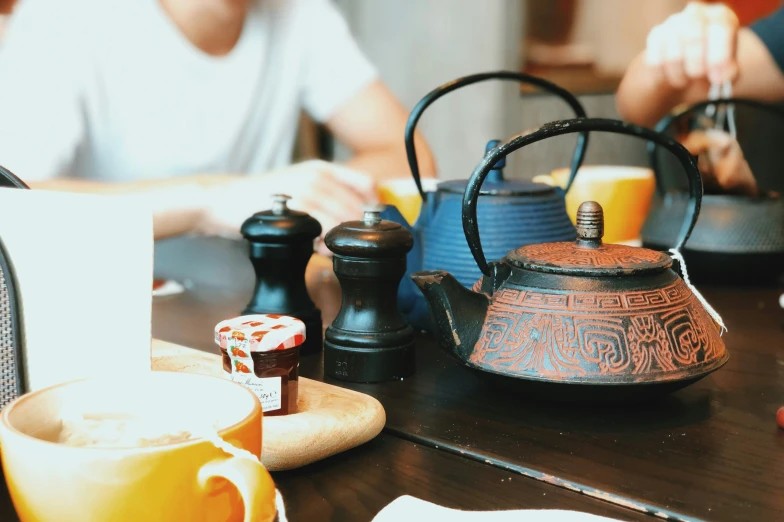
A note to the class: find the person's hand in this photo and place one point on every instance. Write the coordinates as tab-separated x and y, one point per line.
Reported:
330	193
697	43
721	162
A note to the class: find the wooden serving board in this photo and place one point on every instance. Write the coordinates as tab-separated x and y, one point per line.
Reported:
329	419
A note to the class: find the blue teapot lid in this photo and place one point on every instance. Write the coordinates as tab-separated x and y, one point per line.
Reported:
496	185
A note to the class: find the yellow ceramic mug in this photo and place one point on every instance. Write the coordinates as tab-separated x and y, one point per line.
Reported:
403	194
623	192
192	480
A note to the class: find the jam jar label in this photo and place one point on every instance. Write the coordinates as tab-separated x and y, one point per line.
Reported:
267	389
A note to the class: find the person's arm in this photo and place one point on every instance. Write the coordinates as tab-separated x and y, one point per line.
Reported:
341	88
41	128
372	125
179	206
688	51
42	64
218	204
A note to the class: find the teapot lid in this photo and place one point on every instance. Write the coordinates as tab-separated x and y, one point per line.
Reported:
281	224
588	256
505	187
496	184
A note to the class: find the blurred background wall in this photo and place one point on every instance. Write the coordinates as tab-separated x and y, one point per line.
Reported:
582	45
420	44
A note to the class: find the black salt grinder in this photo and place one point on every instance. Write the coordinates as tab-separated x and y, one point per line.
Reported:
281	244
369	341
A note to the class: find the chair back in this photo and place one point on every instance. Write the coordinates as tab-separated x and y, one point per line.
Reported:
12	373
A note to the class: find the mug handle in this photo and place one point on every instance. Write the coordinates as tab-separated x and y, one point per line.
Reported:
557	128
424	103
667	121
251	479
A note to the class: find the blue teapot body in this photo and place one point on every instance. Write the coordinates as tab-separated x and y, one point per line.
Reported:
510	213
535	213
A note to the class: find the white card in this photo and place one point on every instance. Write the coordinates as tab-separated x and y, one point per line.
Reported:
83	265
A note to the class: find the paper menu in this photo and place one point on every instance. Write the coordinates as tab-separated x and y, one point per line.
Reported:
412	509
83	265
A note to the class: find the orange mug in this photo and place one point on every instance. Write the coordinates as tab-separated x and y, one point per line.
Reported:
403	194
190	480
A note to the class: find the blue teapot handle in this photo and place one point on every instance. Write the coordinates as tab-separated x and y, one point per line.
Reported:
424	103
558	128
665	123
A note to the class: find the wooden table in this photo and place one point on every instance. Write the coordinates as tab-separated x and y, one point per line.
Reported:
712	451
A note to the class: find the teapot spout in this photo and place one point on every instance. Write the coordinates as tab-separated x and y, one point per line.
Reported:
458	313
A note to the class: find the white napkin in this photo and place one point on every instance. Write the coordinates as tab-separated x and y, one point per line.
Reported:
83	265
410	509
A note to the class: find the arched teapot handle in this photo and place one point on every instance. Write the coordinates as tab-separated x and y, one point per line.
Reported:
424	103
665	123
557	128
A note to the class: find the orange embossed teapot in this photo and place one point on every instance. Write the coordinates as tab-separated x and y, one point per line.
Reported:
605	321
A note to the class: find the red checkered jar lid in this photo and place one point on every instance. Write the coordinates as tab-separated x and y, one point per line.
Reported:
260	333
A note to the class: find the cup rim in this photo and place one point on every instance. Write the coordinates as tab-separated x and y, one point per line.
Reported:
428	184
641	172
6	424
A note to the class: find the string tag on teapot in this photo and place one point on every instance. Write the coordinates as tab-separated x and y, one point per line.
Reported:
708	308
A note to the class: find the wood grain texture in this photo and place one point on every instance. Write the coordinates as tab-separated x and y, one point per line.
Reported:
329	419
711	451
356	485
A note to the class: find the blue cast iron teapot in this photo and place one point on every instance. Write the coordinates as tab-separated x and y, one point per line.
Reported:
513	212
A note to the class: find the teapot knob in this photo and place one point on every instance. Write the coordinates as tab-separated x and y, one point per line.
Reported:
497	174
590	224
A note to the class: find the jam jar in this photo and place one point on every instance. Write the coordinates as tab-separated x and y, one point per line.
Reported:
261	352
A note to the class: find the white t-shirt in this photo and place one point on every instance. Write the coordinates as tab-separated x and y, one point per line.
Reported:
112	90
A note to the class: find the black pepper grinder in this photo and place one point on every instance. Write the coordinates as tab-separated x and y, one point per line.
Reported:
369	341
281	244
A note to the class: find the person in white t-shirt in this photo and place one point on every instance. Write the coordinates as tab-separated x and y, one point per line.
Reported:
192	106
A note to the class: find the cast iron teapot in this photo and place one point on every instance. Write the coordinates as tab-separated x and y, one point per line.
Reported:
738	238
582	319
514	212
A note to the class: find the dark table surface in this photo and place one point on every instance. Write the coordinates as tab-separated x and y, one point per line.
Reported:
357	484
354	486
711	451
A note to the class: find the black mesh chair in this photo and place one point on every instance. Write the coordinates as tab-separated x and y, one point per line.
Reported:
13	379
